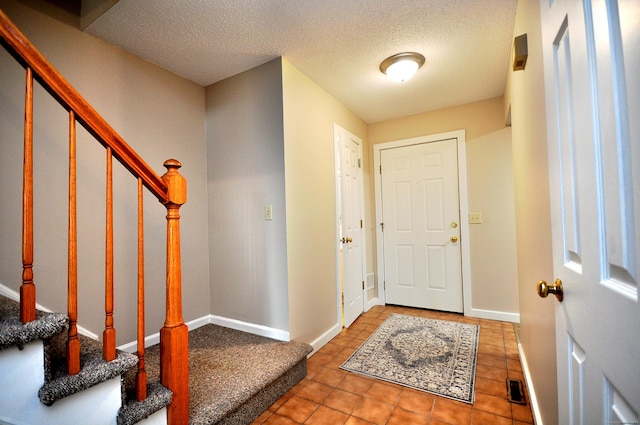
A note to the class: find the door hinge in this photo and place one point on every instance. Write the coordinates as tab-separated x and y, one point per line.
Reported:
384	284
381	169
359	163
361	224
363	285
382	225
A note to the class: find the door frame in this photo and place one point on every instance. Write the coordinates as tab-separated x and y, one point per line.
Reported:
339	275
464	208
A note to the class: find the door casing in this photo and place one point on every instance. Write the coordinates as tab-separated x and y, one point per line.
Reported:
464	209
339	276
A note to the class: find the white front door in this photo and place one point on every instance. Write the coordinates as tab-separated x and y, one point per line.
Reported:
421	219
592	64
351	234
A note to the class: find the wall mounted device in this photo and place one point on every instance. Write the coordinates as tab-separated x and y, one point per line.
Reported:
520	52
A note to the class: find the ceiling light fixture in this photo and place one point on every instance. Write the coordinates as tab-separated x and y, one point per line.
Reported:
402	66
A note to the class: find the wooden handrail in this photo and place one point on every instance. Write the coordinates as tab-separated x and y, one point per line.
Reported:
170	189
24	52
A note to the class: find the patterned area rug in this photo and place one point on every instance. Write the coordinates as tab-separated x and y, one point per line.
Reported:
436	356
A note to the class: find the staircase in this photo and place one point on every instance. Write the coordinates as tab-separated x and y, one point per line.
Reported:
234	376
50	373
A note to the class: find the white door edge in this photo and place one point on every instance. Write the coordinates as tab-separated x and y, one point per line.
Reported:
336	159
464	207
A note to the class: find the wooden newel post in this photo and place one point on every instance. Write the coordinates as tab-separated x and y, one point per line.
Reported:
174	336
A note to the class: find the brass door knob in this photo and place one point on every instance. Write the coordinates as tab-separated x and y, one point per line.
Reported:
454	239
545	289
349	240
346	240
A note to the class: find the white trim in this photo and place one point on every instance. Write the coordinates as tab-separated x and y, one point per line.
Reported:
132	347
323	339
336	189
238	325
9	293
464	207
533	400
464	222
502	316
14	295
336	160
251	328
153	339
374	302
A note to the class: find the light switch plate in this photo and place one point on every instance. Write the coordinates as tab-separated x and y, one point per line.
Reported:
475	218
268	212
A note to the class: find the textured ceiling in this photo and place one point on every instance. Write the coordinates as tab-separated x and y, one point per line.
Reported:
339	44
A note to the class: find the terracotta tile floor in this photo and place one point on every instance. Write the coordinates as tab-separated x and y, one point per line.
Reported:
331	396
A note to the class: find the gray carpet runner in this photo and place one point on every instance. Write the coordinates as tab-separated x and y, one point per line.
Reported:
233	376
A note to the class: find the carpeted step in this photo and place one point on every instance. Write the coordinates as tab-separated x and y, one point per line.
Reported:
235	376
50	328
15	333
132	411
93	368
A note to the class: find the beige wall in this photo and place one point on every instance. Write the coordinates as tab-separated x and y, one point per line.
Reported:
532	213
494	271
490	191
309	115
161	116
477	119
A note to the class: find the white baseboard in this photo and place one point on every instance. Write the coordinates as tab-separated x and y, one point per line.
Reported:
14	295
323	339
374	302
154	339
535	408
251	328
494	315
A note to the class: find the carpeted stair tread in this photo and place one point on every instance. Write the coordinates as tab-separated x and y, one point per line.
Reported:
15	333
233	376
94	370
134	411
229	368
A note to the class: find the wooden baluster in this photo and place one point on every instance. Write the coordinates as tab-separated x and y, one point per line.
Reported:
27	289
109	334
141	375
73	343
174	335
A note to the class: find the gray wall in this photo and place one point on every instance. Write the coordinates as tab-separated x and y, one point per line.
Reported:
161	116
245	161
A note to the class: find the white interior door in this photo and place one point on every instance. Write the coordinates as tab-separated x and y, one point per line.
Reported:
421	234
592	63
351	234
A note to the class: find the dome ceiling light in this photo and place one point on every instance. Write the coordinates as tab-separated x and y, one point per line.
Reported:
402	66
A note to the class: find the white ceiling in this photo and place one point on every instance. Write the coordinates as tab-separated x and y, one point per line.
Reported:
339	44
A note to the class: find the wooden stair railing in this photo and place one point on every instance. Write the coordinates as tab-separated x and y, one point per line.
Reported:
170	189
